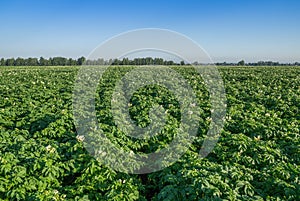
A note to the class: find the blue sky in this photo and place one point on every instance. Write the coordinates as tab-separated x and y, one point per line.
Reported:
228	30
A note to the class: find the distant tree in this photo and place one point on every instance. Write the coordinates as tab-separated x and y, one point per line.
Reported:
149	61
88	62
100	61
241	63
221	64
136	62
71	62
182	63
57	61
125	61
32	61
54	61
109	62
2	62
80	61
169	63
116	62
10	62
195	63
19	62
261	63
43	62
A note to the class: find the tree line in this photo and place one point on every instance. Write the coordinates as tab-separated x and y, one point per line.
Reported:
62	61
55	61
259	63
135	61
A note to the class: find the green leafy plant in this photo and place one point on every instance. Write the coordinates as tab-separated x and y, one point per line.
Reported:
42	157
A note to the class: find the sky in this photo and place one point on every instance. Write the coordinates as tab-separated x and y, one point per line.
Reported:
231	30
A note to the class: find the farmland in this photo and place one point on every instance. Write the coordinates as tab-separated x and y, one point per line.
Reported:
256	157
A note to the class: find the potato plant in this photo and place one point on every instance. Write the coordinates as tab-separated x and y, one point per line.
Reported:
42	157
